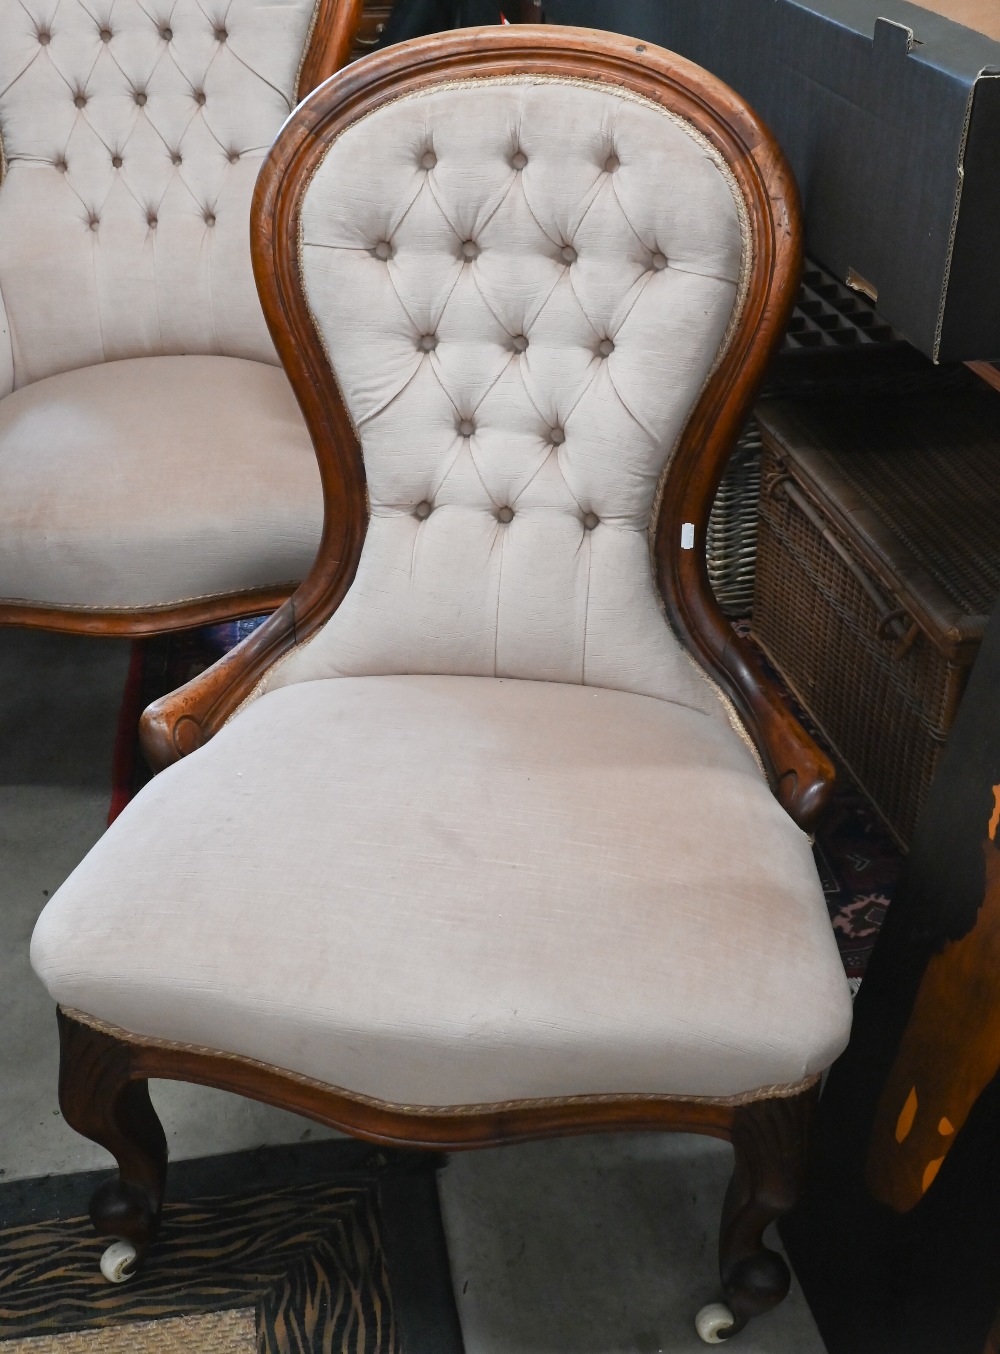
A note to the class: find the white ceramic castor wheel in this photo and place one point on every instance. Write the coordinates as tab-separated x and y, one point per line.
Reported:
117	1261
714	1322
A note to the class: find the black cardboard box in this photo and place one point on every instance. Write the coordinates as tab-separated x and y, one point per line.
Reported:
890	115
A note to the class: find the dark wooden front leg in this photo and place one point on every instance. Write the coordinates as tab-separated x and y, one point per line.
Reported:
770	1141
102	1098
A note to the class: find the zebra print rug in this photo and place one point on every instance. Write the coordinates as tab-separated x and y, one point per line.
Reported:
280	1251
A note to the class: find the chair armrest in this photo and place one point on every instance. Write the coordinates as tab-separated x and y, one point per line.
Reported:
801	774
183	720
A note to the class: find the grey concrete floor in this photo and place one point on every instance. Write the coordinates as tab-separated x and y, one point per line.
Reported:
589	1246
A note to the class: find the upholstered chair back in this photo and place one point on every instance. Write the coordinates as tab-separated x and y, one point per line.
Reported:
523	285
132	132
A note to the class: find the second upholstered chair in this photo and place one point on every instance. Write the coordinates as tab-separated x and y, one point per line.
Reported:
474	844
155	470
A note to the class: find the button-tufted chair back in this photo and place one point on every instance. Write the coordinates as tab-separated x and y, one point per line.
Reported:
523	284
132	133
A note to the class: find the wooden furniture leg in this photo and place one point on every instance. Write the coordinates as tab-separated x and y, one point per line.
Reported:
103	1099
770	1142
104	1095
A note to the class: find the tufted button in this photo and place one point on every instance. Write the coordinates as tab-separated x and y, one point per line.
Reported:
422	510
116	160
427	343
470	250
151	220
590	520
92	221
519	343
209	218
557	437
166	33
659	262
220	34
519	159
106	35
568	254
466	427
233	156
140	97
61	165
81	100
428	160
612	163
175	157
605	347
383	250
44	37
199	97
505	515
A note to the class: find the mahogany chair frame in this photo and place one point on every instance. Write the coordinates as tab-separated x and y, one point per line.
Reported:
104	1071
331	38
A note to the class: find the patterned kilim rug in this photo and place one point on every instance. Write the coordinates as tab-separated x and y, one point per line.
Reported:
859	866
331	1248
857	860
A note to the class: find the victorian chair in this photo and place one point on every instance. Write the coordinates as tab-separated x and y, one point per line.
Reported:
474	844
155	470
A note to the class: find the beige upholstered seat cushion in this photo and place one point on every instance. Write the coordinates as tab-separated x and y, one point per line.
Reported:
154	480
439	890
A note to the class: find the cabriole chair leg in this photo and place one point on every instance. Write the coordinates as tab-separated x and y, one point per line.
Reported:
103	1099
770	1141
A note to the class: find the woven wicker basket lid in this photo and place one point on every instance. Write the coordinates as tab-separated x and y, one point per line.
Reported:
912	486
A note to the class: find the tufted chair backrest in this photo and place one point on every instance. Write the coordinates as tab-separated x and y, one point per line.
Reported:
132	132
523	281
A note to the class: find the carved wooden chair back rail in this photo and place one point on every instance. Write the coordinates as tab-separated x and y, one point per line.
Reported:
475	844
154	469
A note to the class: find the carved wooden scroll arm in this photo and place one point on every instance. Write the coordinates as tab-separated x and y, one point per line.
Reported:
801	773
183	720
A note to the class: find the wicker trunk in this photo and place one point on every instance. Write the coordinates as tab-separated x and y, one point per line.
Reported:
835	341
878	564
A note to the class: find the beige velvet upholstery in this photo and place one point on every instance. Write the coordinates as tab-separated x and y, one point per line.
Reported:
155	480
489	835
445	890
132	134
521	307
